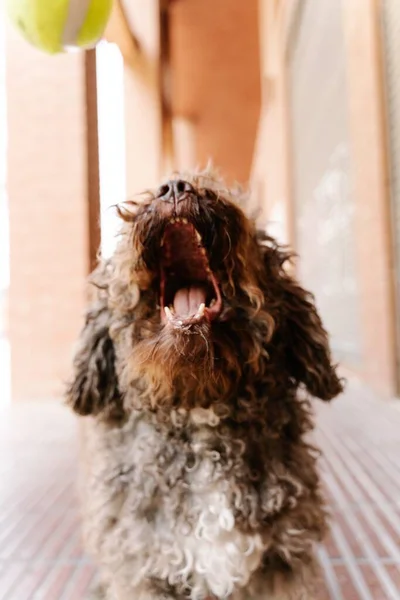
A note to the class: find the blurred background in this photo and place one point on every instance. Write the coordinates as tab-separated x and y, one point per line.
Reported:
300	98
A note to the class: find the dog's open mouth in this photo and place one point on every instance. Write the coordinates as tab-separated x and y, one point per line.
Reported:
189	290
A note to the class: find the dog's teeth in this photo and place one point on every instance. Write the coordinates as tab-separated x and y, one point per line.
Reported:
168	313
185	221
172	221
178	220
200	310
203	250
198	236
213	301
162	243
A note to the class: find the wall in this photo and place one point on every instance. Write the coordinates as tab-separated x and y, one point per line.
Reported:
273	166
47	183
215	83
143	108
270	180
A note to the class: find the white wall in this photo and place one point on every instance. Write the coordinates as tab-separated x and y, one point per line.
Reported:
110	87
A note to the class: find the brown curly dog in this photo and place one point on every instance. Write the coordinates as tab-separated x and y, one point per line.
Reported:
192	368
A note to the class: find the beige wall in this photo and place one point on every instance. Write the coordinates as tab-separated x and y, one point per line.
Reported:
47	188
185	144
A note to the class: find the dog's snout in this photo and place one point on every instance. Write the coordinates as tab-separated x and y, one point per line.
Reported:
171	190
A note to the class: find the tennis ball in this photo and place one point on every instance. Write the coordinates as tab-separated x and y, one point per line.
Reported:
58	25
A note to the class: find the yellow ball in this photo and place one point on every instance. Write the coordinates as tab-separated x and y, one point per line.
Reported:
58	25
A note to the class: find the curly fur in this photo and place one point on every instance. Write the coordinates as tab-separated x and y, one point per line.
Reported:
200	480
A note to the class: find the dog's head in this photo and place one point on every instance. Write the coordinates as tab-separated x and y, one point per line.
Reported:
207	303
192	247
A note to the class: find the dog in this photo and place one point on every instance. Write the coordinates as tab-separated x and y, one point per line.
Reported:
195	369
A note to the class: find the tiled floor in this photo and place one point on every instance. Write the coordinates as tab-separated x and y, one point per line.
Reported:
40	551
40	554
360	437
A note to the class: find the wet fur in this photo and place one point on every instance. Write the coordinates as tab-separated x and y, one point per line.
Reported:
199	479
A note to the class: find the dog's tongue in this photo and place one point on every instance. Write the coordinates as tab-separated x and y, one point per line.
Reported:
187	300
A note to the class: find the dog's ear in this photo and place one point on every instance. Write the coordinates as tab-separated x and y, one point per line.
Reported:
306	343
299	327
94	388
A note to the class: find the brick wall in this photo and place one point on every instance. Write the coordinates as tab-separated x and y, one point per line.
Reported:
49	235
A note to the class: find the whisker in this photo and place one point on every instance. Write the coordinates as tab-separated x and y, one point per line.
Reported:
230	245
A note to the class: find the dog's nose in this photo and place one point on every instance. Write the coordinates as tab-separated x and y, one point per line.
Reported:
171	190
